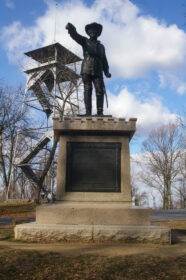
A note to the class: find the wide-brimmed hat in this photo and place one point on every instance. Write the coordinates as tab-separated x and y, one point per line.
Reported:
96	26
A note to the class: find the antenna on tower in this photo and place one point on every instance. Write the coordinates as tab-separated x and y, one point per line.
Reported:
55	22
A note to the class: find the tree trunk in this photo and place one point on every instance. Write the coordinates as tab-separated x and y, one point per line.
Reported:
2	167
169	196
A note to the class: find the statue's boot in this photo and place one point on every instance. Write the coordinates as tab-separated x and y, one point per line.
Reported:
100	100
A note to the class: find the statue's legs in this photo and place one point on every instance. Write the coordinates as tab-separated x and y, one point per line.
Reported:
87	81
99	87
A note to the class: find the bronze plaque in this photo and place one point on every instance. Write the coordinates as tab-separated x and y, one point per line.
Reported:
93	167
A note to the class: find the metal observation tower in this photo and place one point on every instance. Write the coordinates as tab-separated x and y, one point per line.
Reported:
54	67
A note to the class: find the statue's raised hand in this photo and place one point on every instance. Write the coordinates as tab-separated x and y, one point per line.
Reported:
70	26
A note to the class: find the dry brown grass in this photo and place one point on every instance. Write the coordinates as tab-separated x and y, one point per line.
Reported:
26	265
172	224
17	209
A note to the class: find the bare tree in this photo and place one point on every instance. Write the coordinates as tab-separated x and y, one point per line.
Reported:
162	152
67	101
12	119
180	188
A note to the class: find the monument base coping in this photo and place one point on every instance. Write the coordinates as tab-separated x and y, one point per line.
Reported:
92	213
33	232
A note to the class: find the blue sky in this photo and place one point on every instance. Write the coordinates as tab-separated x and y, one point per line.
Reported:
145	41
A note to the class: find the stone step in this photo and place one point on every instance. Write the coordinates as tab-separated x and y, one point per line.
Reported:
92	233
92	213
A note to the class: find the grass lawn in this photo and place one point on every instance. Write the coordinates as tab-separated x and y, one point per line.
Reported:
13	209
17	264
172	224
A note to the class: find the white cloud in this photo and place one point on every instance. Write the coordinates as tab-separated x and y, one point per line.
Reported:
175	81
135	43
150	112
9	4
182	88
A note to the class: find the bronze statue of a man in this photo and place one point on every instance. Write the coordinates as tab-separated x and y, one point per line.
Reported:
94	64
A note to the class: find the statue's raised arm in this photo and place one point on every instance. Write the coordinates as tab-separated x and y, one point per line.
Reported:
74	35
94	64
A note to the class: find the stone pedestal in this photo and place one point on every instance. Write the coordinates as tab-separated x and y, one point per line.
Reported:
101	138
93	187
